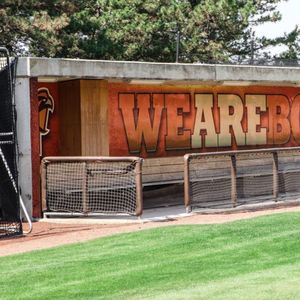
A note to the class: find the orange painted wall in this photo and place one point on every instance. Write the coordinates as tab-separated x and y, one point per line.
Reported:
173	108
50	141
167	129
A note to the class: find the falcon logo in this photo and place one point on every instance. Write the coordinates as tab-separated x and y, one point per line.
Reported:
46	106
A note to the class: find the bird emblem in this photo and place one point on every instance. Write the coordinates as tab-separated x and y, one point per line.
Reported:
46	106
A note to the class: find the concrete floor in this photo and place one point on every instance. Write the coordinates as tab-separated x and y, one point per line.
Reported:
167	213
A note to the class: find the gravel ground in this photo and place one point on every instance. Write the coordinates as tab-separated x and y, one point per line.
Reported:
49	233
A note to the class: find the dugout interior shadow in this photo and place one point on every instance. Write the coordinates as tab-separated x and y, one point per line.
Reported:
163	195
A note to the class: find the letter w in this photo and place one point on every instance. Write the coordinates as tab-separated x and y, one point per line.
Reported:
141	120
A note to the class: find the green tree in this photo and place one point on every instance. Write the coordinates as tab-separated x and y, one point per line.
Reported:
34	27
144	30
292	42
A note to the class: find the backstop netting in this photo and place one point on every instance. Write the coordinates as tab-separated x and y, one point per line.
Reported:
10	222
94	185
233	178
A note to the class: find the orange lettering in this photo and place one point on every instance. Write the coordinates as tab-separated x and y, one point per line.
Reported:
255	135
177	136
231	122
141	121
295	118
279	125
204	107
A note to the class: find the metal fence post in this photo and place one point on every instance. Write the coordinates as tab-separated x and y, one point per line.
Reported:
233	181
44	185
84	189
187	198
139	187
275	175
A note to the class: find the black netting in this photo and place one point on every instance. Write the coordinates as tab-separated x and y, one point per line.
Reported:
10	223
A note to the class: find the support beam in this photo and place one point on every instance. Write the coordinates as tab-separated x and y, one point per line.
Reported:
22	96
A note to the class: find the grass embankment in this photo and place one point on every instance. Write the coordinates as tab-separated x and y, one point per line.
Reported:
252	259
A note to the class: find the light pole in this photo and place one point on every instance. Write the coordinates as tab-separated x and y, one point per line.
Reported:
177	45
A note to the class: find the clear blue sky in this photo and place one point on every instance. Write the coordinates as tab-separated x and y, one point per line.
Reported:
290	11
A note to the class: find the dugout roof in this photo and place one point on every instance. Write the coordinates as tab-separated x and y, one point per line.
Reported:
58	69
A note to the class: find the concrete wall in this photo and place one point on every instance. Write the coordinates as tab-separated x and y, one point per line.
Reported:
22	96
163	72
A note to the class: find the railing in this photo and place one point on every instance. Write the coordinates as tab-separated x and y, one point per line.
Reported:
92	185
232	178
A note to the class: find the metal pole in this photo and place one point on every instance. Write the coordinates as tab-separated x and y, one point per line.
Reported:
233	181
26	216
252	53
44	184
275	175
252	49
187	198
177	45
84	189
139	188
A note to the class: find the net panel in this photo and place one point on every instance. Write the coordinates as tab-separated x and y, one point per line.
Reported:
289	173
114	185
210	181
218	180
65	182
254	177
10	222
101	186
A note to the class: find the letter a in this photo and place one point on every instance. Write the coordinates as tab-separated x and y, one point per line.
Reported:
231	120
204	106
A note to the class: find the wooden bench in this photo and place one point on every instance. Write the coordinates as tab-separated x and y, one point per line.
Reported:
163	170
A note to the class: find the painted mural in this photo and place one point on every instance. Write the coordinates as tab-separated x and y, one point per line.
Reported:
48	119
158	121
166	121
46	107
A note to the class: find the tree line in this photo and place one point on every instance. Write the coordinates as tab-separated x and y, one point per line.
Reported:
143	30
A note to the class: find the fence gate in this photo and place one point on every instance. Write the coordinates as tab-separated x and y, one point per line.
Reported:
92	185
10	222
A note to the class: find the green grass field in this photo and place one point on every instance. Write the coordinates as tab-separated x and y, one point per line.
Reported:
252	259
